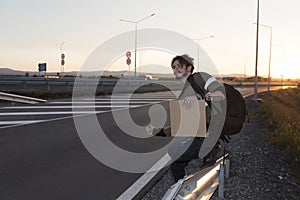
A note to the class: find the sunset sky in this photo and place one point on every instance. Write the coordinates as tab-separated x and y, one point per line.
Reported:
32	31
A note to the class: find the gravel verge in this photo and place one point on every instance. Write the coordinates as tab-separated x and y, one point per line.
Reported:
258	170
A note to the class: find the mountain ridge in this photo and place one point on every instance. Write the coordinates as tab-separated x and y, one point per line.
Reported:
11	72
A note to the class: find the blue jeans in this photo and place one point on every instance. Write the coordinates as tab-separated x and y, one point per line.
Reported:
191	152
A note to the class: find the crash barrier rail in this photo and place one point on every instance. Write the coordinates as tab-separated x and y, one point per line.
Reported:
66	85
21	99
202	184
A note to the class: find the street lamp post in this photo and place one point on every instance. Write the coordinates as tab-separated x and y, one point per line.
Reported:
270	55
135	42
198	49
281	80
256	59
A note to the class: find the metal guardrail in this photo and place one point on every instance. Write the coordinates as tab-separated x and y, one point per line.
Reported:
19	98
66	85
201	185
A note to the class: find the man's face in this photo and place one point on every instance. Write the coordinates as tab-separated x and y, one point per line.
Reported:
179	71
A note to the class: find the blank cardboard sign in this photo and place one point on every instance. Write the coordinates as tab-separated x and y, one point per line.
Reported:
188	122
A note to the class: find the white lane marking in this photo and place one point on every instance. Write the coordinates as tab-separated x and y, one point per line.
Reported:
50	113
108	102
139	184
128	99
20	122
54	107
80	114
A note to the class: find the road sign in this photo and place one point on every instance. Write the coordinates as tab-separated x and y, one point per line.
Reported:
128	54
128	61
42	67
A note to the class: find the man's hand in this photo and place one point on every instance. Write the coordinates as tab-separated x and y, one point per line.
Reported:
188	101
149	130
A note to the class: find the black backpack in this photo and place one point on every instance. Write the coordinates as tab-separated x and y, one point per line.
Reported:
236	111
236	108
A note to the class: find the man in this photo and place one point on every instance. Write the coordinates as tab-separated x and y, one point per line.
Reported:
196	86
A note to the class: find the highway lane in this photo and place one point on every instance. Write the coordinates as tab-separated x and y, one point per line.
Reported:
16	115
46	160
248	91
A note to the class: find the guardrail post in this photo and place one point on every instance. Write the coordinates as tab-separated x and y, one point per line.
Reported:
24	86
100	86
227	167
48	86
221	182
85	85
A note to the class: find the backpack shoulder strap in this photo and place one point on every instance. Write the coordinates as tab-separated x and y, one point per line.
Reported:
197	82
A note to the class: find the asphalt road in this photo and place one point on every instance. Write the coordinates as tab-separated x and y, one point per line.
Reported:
42	156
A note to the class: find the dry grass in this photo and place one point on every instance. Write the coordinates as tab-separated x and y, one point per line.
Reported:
282	109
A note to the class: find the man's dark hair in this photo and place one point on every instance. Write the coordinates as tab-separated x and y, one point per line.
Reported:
184	60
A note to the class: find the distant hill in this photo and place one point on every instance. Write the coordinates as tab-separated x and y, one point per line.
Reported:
7	71
232	75
11	72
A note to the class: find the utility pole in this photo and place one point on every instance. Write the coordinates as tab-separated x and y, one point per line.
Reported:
256	60
135	39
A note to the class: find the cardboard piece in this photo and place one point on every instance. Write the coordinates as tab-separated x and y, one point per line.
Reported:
188	122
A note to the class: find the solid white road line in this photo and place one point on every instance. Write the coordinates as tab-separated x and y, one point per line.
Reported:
20	122
128	99
108	102
74	114
138	185
54	107
49	113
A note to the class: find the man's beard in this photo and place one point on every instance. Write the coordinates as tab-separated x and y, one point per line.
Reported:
179	76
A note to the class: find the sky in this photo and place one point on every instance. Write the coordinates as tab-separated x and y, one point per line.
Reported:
33	32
